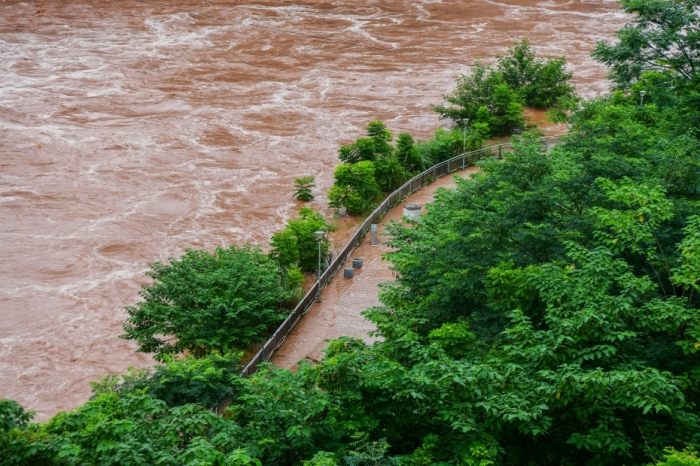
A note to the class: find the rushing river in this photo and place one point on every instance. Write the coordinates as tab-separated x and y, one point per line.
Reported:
130	130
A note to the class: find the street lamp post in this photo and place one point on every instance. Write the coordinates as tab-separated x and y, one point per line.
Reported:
319	237
641	97
465	122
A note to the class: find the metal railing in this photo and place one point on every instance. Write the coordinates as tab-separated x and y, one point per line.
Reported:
433	173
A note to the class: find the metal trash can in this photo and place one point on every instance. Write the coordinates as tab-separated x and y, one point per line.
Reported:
357	263
412	212
374	234
348	273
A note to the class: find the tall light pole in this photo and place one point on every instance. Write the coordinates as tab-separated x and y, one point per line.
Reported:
319	237
641	97
465	122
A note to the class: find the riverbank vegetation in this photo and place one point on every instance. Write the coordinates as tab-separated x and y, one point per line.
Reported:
547	312
492	99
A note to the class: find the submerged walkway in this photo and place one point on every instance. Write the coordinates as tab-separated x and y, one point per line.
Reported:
345	298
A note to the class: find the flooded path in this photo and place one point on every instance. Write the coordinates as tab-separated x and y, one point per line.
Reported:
131	130
345	298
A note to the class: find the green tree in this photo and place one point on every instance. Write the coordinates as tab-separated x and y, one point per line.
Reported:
297	245
130	429
355	188
204	301
389	173
687	457
541	82
664	35
408	155
283	416
303	187
486	100
205	381
376	145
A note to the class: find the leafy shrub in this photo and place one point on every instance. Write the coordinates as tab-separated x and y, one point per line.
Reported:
493	99
135	428
486	100
303	187
687	457
297	245
447	144
540	82
375	146
408	154
202	302
389	173
205	381
355	188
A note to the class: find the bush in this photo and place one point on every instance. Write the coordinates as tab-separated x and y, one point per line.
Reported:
540	82
447	144
355	188
297	246
486	100
408	155
204	301
206	381
376	145
303	187
493	99
389	173
687	457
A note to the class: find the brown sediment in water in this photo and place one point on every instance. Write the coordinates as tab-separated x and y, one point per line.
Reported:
132	130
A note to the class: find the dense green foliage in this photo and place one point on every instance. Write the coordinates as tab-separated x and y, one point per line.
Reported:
303	187
204	301
355	187
205	381
664	36
132	429
540	82
493	99
547	312
372	166
297	246
686	457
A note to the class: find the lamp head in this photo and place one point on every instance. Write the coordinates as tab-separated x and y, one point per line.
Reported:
319	234
642	93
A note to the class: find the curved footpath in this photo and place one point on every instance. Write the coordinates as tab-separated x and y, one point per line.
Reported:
344	299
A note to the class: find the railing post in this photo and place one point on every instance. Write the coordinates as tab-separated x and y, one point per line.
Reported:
500	152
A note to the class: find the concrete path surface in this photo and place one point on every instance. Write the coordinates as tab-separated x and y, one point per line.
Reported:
344	298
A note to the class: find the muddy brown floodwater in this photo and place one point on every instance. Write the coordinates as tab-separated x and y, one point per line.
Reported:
130	130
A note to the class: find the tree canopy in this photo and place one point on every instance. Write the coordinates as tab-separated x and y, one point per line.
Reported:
204	301
664	35
546	312
493	99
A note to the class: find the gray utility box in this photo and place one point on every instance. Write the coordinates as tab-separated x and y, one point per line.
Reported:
357	263
374	234
348	273
412	212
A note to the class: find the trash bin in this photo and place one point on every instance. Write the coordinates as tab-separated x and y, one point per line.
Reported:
348	273
357	263
412	212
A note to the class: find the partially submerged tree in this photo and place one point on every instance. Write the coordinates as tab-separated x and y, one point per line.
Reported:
303	187
493	99
297	246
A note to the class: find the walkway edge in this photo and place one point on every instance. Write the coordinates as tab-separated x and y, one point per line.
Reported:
439	170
